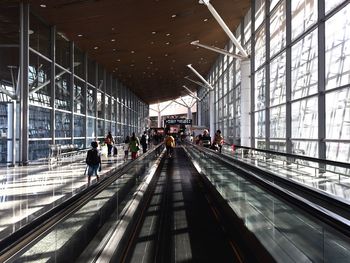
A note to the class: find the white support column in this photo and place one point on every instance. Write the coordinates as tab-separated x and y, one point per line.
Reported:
189	113
245	103
199	113
211	114
159	119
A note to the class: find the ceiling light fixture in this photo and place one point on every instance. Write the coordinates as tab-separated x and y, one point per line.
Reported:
80	35
166	55
113	40
167	43
168	34
114	49
173	16
154	32
43	5
132	51
96	47
205	19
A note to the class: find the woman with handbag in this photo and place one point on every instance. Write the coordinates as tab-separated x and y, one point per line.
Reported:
134	146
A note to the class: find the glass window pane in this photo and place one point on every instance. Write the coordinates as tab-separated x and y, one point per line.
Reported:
278	80
63	124
304	66
63	90
329	5
278	122
62	50
338	115
79	126
79	68
90	132
100	128
338	49
259	12
9	23
38	149
304	14
260	90
308	148
91	106
278	29
79	96
260	124
305	119
260	47
39	36
39	72
247	27
39	122
338	151
100	105
91	72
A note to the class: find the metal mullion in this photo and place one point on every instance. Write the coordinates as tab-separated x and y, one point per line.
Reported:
252	73
321	82
71	80
24	64
267	76
289	144
85	65
53	83
95	95
104	98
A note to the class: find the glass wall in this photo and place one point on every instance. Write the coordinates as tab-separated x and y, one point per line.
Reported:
72	99
298	78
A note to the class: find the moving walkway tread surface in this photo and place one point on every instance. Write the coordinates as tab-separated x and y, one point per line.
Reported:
180	222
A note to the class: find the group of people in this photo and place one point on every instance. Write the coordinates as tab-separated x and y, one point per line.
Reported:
133	144
205	140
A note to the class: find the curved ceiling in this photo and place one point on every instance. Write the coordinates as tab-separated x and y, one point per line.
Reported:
145	43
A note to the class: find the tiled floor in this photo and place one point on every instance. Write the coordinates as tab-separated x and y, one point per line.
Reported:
26	192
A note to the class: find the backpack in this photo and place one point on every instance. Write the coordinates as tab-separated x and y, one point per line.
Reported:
92	157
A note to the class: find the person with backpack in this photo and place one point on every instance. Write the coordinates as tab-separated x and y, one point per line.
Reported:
93	160
143	142
134	146
169	145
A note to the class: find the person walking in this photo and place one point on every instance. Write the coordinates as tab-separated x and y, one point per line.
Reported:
93	160
218	140
126	147
134	146
143	142
109	141
169	145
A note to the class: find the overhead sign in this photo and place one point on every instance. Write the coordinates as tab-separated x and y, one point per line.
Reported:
178	121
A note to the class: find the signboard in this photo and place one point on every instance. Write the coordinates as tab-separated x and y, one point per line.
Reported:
178	121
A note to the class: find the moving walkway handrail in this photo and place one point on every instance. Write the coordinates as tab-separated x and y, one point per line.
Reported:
323	214
14	243
306	158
